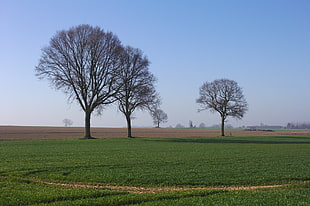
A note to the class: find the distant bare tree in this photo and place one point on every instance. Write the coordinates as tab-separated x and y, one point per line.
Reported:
83	62
225	97
137	89
191	125
159	116
67	122
202	125
179	126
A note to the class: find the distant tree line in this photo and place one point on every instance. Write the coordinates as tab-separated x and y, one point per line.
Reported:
202	126
263	126
298	125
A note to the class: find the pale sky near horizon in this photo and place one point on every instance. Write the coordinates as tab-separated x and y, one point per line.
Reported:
264	45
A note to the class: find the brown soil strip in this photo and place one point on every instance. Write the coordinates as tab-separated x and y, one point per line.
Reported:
14	133
141	190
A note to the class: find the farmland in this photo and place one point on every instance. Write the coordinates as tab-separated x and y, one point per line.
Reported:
186	167
8	133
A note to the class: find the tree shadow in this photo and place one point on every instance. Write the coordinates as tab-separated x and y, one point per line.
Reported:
232	140
170	196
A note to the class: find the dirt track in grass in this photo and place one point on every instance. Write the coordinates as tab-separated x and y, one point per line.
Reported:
14	133
140	190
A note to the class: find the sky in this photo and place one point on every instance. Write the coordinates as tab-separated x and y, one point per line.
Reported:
264	45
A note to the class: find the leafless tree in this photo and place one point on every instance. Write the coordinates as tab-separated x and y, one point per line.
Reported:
202	125
179	126
67	122
159	116
191	125
225	97
137	89
83	62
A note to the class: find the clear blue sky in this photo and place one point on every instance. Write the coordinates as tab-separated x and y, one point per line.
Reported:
264	45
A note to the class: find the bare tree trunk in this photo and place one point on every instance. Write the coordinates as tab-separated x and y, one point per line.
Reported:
128	126
87	125
222	126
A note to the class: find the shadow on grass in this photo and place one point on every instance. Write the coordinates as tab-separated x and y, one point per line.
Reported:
249	140
149	198
132	199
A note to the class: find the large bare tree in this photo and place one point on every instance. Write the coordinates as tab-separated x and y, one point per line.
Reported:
137	89
83	62
225	97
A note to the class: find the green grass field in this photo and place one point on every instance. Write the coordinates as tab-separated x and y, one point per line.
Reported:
27	166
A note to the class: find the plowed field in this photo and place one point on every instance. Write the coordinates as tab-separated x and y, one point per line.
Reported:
11	133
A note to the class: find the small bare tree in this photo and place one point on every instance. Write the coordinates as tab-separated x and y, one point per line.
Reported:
190	123
137	89
159	116
83	62
223	96
67	122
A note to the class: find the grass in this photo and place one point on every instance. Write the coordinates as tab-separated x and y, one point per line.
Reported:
178	162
